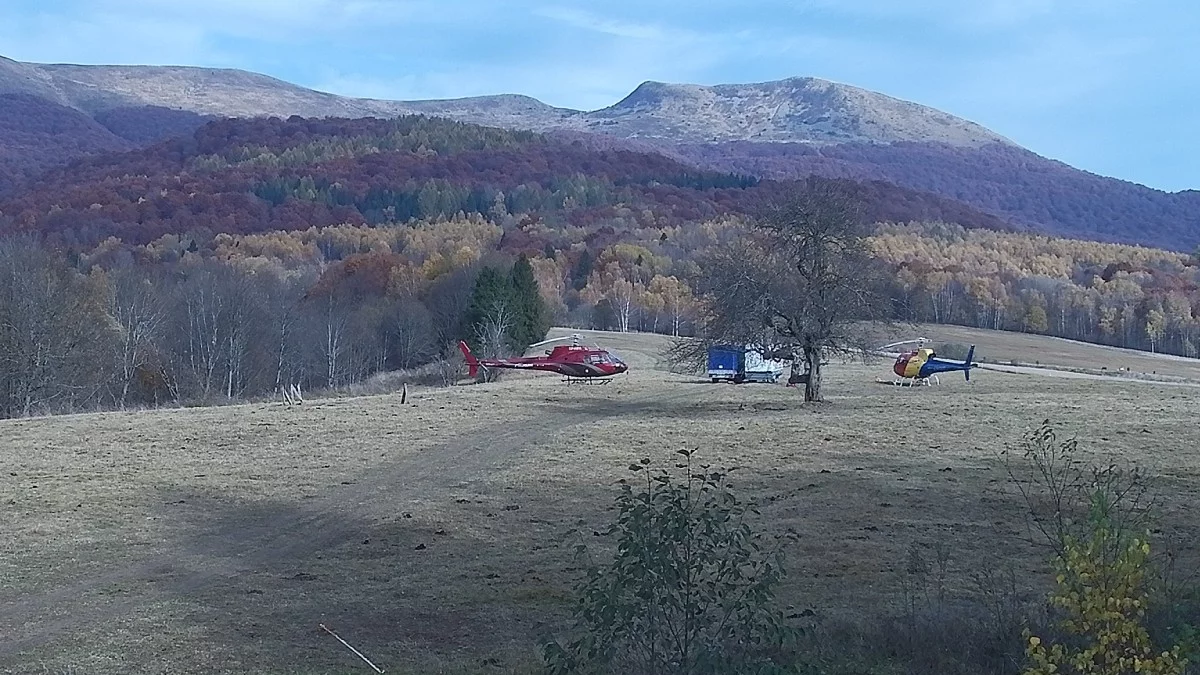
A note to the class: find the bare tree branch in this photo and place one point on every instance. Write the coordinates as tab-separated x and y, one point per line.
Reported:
799	283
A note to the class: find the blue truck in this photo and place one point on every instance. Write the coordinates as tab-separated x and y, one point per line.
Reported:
738	364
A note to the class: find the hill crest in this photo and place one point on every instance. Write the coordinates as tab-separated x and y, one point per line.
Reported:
780	129
797	110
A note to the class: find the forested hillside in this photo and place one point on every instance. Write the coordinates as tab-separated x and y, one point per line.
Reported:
1002	180
243	176
256	254
36	135
1127	296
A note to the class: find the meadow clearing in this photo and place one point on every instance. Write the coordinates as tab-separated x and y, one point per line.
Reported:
428	534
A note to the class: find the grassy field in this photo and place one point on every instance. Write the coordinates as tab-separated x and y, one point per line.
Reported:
216	540
1002	347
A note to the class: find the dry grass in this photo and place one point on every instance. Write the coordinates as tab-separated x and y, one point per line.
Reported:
215	540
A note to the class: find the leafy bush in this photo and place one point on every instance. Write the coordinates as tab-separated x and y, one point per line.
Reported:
1102	591
1096	519
689	589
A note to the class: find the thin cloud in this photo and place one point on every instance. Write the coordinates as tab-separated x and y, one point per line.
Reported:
128	24
976	16
577	18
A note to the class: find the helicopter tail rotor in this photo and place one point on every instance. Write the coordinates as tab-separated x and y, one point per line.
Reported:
967	365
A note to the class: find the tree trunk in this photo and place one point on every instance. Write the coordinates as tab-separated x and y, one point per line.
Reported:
812	363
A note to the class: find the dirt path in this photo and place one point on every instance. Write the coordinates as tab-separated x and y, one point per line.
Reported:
246	546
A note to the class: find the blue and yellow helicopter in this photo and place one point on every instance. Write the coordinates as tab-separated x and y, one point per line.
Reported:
921	366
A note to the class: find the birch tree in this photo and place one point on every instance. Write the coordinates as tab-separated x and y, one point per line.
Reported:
55	335
140	315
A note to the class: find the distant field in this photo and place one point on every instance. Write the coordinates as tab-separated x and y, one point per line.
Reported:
215	540
1004	347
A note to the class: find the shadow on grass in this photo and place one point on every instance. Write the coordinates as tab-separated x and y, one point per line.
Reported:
245	584
408	591
473	588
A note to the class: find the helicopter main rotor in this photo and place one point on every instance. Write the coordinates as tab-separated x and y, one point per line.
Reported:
574	338
919	341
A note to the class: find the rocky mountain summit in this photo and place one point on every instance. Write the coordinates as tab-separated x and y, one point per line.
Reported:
52	114
801	109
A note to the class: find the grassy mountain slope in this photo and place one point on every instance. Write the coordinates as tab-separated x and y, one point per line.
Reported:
801	109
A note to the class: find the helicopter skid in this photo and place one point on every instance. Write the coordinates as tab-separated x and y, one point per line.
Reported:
911	381
587	380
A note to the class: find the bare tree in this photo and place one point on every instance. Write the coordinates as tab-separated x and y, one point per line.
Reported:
199	328
55	335
335	325
799	283
368	339
413	337
285	331
138	309
492	336
244	332
219	333
448	299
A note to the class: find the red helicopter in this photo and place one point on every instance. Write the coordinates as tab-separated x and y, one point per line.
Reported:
573	361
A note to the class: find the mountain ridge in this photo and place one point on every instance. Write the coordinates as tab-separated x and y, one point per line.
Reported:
796	109
831	112
779	129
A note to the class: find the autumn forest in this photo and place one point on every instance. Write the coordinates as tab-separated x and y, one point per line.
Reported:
254	254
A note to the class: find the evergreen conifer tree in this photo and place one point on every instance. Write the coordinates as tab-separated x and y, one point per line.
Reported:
491	292
514	294
582	270
531	319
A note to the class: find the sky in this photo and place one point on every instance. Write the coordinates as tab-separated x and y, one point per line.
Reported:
1109	86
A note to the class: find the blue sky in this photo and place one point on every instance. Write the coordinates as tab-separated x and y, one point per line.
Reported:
1110	86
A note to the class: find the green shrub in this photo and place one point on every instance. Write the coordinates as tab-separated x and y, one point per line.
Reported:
689	589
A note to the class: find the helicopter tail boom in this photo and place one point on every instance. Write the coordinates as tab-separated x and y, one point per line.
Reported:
472	362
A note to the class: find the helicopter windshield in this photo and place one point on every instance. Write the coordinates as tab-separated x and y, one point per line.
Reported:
604	357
